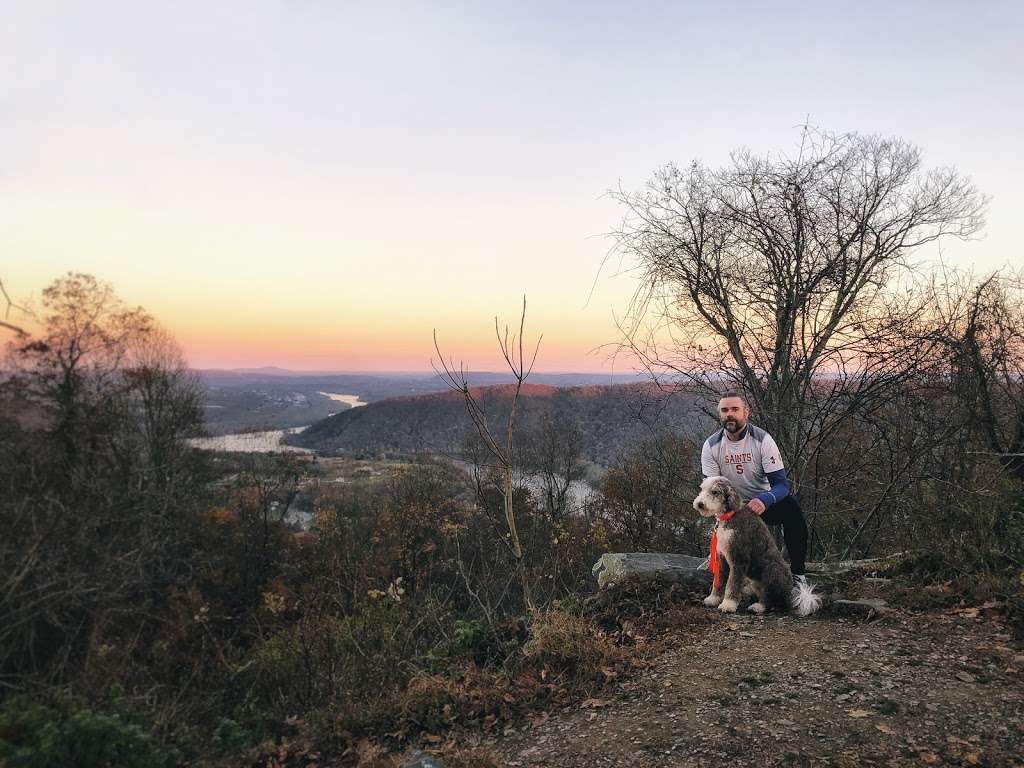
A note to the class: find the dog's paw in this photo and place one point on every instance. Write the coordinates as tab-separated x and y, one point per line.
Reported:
756	608
712	600
728	606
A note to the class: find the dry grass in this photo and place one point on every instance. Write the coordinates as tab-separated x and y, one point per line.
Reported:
565	644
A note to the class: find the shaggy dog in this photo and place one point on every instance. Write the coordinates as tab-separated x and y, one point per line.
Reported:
749	559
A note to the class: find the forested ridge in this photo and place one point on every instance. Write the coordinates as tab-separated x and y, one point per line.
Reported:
608	419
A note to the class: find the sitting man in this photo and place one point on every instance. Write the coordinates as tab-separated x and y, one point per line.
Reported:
750	459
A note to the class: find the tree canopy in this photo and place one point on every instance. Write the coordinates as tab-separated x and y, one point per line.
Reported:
791	276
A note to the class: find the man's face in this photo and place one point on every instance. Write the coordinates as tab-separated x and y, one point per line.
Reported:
733	414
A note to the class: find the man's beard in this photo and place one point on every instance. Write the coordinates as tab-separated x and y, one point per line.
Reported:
731	425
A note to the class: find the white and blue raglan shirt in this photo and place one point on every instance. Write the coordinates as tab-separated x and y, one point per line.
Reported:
753	464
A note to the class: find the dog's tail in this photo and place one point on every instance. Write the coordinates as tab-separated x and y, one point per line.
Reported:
803	599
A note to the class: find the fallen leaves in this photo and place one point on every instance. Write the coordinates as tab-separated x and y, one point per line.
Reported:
858	713
368	751
974	611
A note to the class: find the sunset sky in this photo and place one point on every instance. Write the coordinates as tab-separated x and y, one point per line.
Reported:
318	184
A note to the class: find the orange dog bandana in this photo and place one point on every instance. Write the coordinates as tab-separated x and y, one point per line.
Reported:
714	567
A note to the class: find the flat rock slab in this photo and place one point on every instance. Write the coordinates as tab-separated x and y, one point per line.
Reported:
617	567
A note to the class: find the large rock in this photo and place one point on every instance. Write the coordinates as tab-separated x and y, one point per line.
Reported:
617	567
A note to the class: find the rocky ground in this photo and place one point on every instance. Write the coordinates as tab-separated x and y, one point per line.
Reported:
941	687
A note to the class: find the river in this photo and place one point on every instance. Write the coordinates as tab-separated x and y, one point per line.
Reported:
250	442
352	401
270	441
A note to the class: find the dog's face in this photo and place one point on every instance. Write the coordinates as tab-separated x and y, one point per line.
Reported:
716	496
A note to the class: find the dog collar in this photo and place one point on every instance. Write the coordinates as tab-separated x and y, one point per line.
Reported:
725	516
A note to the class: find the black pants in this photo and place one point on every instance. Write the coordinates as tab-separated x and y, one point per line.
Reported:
788	514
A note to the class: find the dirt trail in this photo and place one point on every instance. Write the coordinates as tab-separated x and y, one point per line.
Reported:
927	689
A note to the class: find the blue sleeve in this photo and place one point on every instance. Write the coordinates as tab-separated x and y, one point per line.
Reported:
779	489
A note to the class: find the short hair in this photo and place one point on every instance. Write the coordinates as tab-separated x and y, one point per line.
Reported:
735	393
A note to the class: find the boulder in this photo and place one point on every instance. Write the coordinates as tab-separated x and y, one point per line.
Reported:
617	567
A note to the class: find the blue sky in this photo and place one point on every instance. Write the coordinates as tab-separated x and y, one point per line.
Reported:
317	184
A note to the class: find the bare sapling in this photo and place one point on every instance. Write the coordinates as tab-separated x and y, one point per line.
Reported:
457	378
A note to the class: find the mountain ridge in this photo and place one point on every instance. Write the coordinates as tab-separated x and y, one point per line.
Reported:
610	418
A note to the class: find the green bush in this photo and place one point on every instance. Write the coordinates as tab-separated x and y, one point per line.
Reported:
36	735
470	634
231	736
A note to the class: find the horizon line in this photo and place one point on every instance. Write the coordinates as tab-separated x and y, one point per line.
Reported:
270	369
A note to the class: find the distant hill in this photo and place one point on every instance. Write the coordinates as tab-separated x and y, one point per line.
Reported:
610	418
255	399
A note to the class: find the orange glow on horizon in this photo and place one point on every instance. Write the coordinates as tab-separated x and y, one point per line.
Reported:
556	355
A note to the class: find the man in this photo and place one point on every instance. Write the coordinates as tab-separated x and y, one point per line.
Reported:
750	459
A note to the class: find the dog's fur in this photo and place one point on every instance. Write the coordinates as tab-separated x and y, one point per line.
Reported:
749	559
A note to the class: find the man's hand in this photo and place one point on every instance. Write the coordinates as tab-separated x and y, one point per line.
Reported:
756	506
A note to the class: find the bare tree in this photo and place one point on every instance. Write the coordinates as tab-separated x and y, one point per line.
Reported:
981	322
73	368
791	277
553	454
9	305
457	378
164	400
987	355
87	532
645	495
